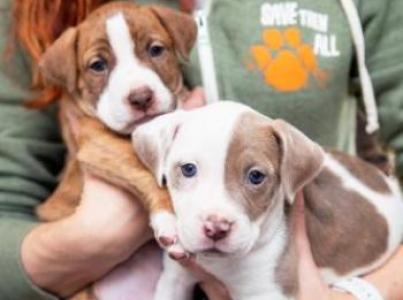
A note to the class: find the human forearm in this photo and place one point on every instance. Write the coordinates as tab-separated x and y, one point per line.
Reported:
388	280
14	283
56	258
106	228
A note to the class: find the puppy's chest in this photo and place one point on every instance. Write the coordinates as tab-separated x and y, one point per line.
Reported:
252	277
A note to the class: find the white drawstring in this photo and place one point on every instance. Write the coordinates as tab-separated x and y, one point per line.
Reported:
366	85
205	51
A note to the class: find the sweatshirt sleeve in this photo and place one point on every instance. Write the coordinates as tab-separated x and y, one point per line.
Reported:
31	156
383	29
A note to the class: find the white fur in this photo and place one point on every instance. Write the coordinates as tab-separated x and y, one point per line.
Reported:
127	75
164	225
250	277
259	263
175	283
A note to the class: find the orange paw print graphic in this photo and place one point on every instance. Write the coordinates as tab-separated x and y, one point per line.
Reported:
285	61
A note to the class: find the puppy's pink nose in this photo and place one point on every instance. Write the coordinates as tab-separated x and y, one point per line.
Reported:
141	98
216	228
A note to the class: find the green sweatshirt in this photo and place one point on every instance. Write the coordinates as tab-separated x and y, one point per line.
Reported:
31	155
295	60
288	59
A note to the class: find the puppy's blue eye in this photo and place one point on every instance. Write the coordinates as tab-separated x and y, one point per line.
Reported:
189	170
256	177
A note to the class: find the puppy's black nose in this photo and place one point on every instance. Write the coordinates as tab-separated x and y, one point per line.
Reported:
141	98
216	228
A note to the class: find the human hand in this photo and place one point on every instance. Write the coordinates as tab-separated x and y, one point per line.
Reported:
107	227
137	277
195	99
120	219
310	283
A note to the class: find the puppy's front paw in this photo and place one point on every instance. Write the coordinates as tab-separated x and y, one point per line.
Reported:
164	226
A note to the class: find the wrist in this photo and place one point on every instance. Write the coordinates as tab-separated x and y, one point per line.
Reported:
358	288
336	295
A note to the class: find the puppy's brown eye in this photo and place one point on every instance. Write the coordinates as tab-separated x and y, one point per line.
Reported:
98	65
156	50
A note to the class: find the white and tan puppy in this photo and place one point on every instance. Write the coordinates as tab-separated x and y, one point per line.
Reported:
233	173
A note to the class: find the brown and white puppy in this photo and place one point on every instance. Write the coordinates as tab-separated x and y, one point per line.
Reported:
122	63
232	181
119	68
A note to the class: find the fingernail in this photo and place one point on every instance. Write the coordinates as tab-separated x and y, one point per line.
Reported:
166	241
178	255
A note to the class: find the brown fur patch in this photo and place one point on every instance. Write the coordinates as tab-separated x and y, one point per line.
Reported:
345	230
367	173
112	158
301	160
253	146
66	197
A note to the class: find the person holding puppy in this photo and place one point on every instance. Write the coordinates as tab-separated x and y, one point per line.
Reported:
292	59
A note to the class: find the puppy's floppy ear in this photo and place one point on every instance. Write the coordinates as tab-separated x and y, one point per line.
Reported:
180	26
58	64
301	158
153	140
